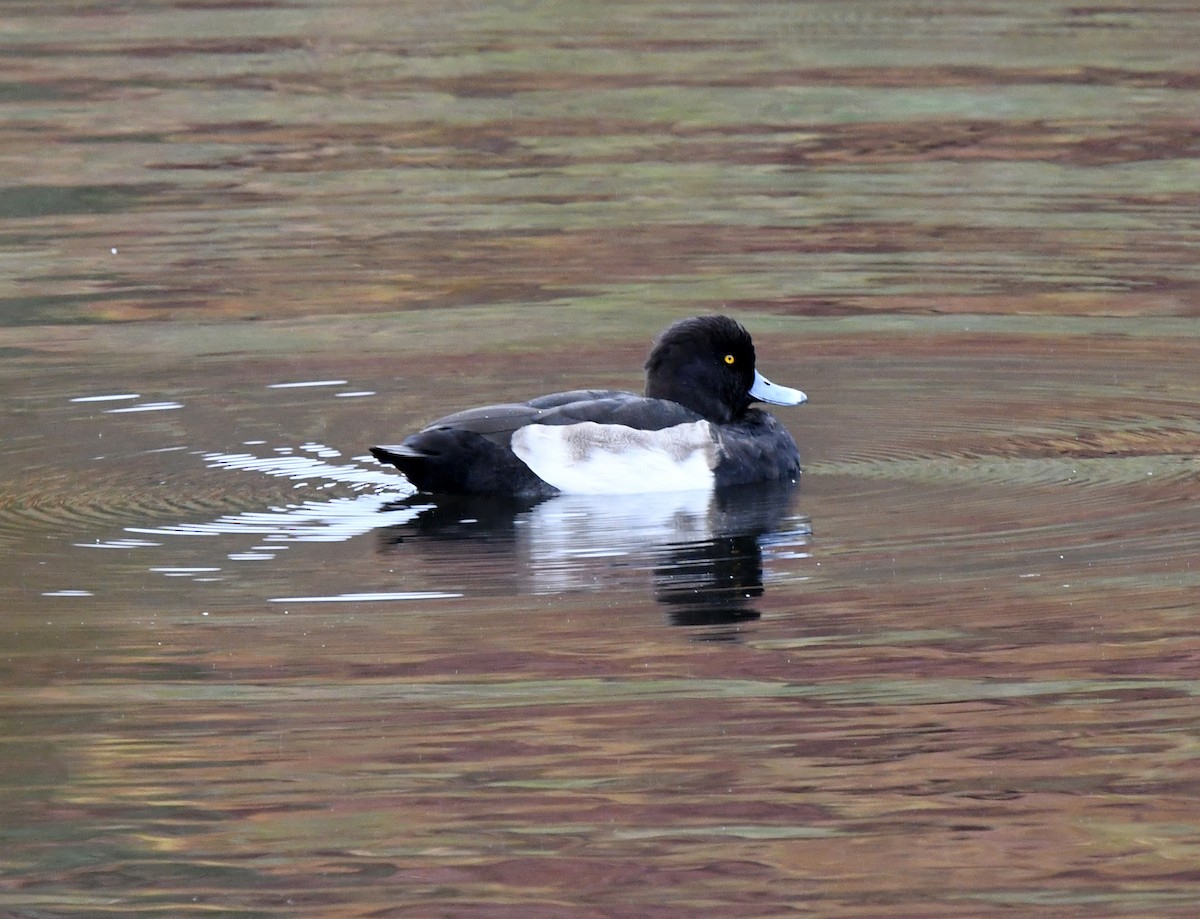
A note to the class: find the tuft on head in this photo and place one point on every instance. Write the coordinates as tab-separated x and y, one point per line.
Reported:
705	363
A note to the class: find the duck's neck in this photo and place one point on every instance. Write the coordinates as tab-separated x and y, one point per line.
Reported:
712	407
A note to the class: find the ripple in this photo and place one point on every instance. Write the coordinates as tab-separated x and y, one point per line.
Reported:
335	520
145	407
372	597
1017	471
117	497
304	468
42	507
107	398
1099	452
117	544
304	384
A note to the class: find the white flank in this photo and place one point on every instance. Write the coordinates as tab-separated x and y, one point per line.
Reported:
610	459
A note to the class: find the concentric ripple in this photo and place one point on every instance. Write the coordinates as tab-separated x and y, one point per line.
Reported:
113	499
1107	452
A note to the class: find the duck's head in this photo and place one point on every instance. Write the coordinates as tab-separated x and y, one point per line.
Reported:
707	364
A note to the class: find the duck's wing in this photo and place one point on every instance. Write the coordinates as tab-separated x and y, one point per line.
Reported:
621	408
581	397
497	422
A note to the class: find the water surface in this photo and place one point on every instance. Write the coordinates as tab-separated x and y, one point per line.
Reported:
245	671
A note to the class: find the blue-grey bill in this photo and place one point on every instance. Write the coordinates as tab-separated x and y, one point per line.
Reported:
764	390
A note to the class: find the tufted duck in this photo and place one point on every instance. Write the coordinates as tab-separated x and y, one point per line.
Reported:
693	429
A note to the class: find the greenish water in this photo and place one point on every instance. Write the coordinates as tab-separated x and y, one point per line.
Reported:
241	672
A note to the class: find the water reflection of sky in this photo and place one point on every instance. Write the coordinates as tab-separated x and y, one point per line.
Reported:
695	550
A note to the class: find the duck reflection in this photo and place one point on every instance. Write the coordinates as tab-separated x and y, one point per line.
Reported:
701	552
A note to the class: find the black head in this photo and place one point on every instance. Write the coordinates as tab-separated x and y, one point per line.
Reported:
705	364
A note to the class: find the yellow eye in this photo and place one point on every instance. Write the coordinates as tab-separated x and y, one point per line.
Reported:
729	359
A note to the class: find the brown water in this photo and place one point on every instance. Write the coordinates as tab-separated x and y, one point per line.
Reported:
955	675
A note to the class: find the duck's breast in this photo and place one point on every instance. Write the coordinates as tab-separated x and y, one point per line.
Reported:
756	448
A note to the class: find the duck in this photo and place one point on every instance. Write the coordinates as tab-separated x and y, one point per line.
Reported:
695	428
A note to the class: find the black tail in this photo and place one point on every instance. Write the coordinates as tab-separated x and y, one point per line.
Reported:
452	462
394	455
436	470
407	460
